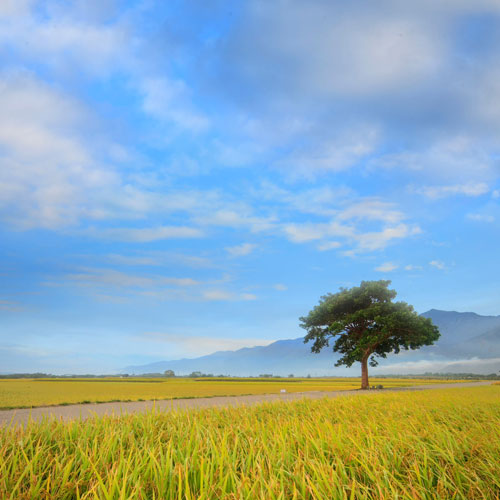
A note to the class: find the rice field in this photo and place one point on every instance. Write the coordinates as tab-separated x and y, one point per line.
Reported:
440	444
28	393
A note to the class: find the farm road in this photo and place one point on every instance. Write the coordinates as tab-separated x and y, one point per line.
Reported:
85	411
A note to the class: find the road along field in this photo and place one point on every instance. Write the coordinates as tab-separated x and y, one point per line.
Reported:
438	444
22	416
30	393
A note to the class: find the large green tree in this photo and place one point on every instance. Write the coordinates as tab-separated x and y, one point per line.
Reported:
364	323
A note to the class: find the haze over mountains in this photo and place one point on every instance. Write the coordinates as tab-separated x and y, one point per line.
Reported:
469	343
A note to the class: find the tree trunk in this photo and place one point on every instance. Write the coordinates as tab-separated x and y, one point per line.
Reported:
364	372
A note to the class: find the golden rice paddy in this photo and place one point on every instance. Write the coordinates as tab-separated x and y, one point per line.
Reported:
27	393
439	444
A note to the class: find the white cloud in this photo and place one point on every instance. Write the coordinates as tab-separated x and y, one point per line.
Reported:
329	245
241	250
481	217
334	154
191	260
60	40
248	296
280	287
371	241
223	295
339	97
438	264
110	285
470	189
412	267
352	224
52	174
48	175
143	235
235	217
110	277
11	8
197	345
474	365
372	210
465	160
72	183
217	295
481	91
242	154
169	100
301	233
322	200
153	258
54	166
364	241
387	267
334	50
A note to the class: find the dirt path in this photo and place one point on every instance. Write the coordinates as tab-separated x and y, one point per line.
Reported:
84	411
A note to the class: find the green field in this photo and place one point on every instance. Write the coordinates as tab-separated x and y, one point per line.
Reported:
27	393
440	444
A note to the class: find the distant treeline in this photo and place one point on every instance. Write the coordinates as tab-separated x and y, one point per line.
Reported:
447	376
49	375
262	377
246	379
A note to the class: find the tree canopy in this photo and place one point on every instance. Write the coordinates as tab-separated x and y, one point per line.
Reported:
365	323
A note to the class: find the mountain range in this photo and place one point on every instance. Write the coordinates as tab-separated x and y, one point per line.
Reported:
469	343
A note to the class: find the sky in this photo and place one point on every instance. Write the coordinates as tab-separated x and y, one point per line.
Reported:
179	177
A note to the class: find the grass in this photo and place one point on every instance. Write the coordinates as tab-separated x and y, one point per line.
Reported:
440	444
30	393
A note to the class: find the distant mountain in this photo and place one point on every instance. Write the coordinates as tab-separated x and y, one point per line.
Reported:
458	327
280	358
465	335
469	343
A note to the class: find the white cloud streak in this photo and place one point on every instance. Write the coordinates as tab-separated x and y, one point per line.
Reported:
169	101
145	235
350	225
110	285
224	295
481	218
470	189
336	52
280	287
113	278
329	245
438	264
62	37
241	250
47	173
412	267
387	267
198	345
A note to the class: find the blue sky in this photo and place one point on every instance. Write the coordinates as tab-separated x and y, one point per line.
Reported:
183	177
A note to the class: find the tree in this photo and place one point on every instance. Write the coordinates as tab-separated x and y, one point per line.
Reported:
366	324
169	373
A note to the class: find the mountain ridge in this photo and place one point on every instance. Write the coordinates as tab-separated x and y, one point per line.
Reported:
464	337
